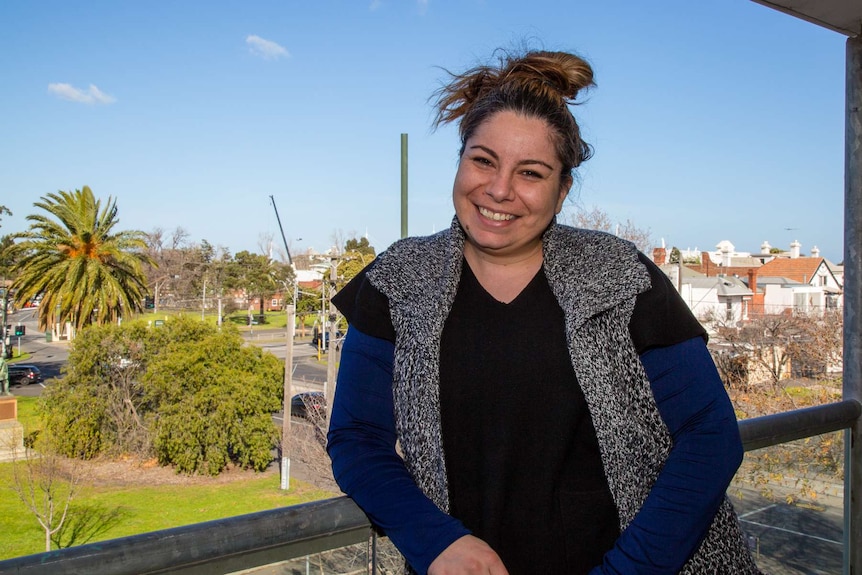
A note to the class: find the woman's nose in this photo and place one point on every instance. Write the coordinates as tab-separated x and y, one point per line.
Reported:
500	187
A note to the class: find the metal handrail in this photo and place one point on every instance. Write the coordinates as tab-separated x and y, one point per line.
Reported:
221	546
256	539
768	430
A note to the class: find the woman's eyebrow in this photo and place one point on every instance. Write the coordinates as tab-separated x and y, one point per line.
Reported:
486	149
540	162
494	155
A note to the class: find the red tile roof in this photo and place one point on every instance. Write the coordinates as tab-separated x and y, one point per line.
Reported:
797	269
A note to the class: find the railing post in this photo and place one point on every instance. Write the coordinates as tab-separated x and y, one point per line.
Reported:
852	385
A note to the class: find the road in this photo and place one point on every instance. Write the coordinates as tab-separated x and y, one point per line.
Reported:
788	539
48	357
309	374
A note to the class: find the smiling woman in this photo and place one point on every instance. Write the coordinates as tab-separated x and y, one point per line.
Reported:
552	395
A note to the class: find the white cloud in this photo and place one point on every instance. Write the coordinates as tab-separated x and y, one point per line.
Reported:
91	95
423	6
375	4
266	49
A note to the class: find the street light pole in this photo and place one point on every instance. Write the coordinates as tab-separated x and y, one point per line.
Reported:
331	371
204	299
288	393
288	367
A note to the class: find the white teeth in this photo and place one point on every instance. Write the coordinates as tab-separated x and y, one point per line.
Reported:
495	215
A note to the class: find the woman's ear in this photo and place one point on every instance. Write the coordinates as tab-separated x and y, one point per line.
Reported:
565	186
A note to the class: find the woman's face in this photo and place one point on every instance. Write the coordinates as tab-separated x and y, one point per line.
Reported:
508	185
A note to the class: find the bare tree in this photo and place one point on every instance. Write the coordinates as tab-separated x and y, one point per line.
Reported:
47	483
755	362
818	347
266	243
339	239
597	219
764	343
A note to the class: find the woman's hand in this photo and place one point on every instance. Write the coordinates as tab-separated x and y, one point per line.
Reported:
468	556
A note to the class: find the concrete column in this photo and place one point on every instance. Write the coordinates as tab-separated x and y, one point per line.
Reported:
853	304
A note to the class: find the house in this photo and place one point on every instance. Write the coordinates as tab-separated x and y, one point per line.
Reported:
725	260
722	300
804	284
719	299
728	286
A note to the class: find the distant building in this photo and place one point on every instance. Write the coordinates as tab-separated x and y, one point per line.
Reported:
728	286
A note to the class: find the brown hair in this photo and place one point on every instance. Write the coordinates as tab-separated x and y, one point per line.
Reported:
538	84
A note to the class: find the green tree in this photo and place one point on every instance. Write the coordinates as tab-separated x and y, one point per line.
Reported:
258	275
675	255
309	301
188	393
4	211
213	266
361	245
86	271
6	260
358	253
214	398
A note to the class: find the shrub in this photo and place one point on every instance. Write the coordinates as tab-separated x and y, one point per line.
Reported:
186	392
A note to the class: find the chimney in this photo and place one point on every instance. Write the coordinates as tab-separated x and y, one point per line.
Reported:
765	248
815	252
752	280
794	249
705	263
659	256
726	255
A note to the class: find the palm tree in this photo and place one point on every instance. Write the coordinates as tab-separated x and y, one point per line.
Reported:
85	272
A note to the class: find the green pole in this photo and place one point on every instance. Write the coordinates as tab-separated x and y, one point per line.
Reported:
403	185
3	328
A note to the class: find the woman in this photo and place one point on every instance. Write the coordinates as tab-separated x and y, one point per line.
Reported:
554	402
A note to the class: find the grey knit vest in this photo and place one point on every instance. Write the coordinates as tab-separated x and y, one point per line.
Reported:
595	278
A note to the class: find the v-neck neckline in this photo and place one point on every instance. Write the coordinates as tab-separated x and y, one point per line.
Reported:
468	274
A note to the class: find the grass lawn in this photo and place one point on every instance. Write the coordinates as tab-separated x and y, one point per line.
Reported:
27	413
139	509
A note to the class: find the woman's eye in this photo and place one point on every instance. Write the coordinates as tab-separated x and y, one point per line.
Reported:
482	161
531	174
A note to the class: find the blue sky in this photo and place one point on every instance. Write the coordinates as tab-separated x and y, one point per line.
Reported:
713	120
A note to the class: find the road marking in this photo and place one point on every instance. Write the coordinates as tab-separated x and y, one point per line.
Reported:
758	510
792	532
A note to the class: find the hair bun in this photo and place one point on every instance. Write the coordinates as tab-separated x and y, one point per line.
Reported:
560	72
537	84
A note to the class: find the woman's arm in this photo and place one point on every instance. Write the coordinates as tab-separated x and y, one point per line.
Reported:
706	453
361	444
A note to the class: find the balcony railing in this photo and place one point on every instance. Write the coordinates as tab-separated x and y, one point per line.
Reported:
267	537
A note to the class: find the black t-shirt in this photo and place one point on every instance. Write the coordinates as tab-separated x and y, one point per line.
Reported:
523	462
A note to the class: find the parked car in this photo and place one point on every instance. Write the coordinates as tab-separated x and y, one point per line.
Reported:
309	405
21	374
318	338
